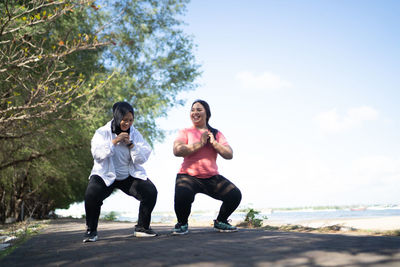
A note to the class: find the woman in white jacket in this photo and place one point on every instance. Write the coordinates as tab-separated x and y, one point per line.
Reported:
118	151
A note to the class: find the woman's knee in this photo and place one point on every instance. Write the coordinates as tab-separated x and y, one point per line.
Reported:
150	191
95	191
153	192
238	194
234	196
183	195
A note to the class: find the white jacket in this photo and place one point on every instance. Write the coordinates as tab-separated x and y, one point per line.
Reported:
103	149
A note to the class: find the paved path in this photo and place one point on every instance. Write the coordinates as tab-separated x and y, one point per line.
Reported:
61	245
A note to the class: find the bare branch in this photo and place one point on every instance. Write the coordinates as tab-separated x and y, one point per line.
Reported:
24	62
37	155
44	107
11	136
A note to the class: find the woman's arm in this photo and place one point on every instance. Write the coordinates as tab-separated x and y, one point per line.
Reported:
101	146
224	150
140	150
182	149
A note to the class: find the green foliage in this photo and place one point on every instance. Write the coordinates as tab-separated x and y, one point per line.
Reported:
22	232
63	64
44	66
111	216
251	218
152	57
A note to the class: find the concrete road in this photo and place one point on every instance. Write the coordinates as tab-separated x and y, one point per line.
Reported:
60	244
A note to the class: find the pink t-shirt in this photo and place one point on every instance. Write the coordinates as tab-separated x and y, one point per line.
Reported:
202	163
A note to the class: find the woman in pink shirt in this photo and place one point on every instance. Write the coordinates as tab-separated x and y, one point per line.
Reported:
199	146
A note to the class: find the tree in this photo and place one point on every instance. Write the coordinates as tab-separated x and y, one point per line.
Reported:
152	55
40	91
64	63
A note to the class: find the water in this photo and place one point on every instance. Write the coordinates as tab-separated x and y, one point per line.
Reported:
298	216
286	217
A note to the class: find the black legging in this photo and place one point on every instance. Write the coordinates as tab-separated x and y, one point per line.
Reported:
218	187
97	191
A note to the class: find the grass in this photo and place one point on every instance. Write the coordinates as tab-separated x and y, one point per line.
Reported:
335	229
299	228
251	221
111	216
22	232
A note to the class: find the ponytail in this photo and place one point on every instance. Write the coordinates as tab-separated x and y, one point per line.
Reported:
212	130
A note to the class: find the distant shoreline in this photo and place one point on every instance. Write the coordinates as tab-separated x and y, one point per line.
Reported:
373	217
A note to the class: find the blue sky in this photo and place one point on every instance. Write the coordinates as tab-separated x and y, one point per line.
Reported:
306	93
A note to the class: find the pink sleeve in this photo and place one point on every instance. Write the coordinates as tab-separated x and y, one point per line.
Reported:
221	139
182	136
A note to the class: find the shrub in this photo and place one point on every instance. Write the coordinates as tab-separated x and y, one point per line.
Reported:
111	216
251	219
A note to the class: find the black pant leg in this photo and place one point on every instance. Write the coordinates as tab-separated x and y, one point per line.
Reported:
96	192
144	191
185	191
222	189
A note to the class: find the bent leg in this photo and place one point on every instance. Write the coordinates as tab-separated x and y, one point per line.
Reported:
225	190
144	191
96	192
230	202
184	197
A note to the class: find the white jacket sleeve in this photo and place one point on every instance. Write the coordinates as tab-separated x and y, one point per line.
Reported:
101	146
141	149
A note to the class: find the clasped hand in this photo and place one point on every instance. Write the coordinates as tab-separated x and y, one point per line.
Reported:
207	136
123	138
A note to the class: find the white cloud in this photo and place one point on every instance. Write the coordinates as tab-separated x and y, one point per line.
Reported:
264	81
331	121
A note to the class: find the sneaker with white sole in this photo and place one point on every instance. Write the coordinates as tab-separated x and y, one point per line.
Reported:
142	232
224	227
90	236
180	229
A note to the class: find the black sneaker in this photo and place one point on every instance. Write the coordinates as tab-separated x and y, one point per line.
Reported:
142	232
90	236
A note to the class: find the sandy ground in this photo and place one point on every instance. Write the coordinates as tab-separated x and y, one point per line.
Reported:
373	224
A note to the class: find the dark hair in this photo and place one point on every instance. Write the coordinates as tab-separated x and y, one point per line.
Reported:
120	109
208	115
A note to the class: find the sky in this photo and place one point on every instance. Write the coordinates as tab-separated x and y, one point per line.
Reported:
306	93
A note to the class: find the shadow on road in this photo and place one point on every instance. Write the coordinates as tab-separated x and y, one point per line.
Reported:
61	245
